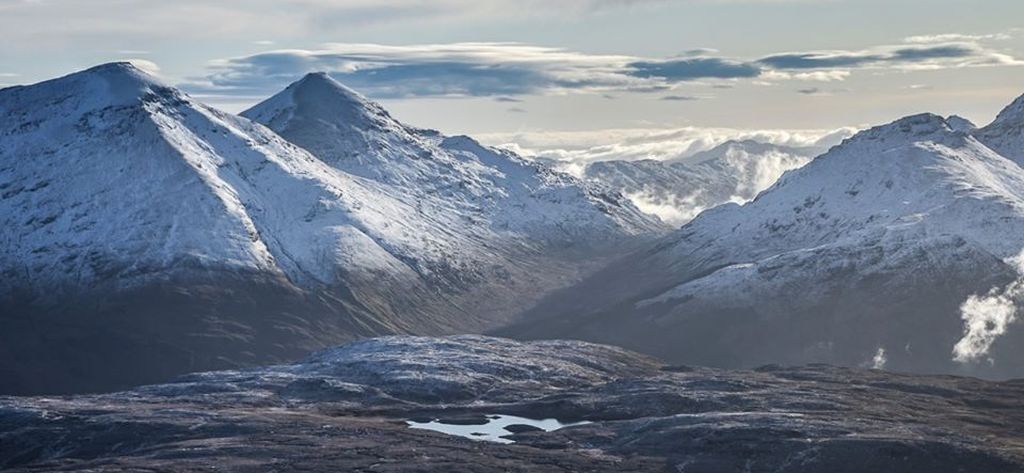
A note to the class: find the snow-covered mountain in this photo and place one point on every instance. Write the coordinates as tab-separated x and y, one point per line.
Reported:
1006	134
493	188
881	252
180	237
677	190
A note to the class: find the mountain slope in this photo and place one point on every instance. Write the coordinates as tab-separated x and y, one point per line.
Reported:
509	193
1006	133
862	257
677	190
518	230
178	237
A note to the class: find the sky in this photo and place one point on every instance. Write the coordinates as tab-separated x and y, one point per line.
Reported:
572	79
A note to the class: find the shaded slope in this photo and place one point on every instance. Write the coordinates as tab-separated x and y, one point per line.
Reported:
870	248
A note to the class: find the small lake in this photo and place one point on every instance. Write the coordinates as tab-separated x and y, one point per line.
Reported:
494	429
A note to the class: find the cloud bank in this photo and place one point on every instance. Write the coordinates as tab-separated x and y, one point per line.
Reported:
490	69
576	149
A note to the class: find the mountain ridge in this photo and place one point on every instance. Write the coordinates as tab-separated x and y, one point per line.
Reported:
677	190
873	247
182	237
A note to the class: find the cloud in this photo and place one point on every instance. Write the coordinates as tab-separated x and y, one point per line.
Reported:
516	110
457	69
460	69
146	65
915	54
955	37
820	91
516	69
578	148
879	360
816	60
507	99
673	210
833	75
700	52
987	317
265	18
906	56
751	169
694	68
680	98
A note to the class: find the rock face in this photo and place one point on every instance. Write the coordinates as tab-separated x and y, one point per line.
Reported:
149	235
873	247
345	409
679	189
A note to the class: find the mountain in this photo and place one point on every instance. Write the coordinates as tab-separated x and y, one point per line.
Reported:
149	234
677	190
881	252
1006	133
512	195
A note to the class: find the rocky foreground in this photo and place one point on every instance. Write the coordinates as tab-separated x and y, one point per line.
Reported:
347	409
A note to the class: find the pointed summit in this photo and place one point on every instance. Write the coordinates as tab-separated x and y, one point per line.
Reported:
1005	134
318	97
1012	114
337	124
319	88
324	82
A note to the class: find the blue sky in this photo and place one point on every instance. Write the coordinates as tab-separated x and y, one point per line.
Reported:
578	75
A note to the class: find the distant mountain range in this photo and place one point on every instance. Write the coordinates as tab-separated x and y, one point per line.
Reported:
147	234
677	190
882	253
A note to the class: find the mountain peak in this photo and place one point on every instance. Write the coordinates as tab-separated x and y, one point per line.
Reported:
961	124
323	83
921	122
318	97
1005	134
116	67
116	84
122	76
1012	114
920	127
